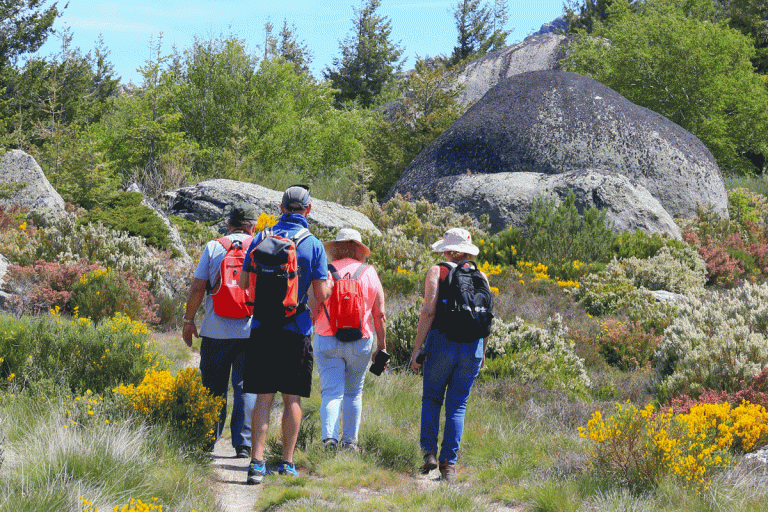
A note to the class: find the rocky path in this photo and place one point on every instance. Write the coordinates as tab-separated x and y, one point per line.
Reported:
233	493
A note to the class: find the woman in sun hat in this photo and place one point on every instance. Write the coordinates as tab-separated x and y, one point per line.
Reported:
342	364
451	364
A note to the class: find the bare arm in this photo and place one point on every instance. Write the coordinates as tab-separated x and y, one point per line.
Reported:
196	296
380	322
243	280
321	290
427	315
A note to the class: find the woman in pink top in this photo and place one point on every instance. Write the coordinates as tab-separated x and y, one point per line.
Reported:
342	364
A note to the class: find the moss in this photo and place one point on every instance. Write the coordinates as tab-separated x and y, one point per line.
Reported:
124	212
8	190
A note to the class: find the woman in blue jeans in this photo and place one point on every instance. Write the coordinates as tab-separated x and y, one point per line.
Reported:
450	365
342	362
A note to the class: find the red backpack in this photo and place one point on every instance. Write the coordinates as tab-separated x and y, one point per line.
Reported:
229	300
346	305
274	262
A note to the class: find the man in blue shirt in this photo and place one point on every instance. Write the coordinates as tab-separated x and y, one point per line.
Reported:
280	356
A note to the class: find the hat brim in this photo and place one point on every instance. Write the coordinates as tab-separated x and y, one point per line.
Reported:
441	246
362	250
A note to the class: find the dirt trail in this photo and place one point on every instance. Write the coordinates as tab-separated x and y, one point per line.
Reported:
233	493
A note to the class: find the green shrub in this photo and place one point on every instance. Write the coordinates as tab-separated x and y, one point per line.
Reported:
76	354
124	212
104	292
402	262
746	205
639	244
504	248
676	270
716	342
558	234
533	354
401	332
626	345
610	291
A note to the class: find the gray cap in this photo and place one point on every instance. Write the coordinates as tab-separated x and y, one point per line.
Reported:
242	211
296	198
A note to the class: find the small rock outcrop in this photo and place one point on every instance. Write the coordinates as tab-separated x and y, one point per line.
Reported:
23	183
210	200
537	52
177	244
555	122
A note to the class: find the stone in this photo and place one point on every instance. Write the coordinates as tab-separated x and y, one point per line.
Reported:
556	122
4	293
210	200
536	53
23	183
507	198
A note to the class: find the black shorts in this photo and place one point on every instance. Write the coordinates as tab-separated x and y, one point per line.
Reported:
278	361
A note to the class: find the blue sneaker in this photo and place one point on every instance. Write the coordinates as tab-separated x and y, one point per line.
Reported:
257	470
287	468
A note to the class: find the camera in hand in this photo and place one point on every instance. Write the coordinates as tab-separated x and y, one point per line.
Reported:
382	357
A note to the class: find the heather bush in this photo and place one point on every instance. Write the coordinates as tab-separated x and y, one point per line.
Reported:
678	270
62	239
125	213
180	401
716	342
558	234
103	292
528	353
626	345
76	354
754	391
638	447
610	291
43	285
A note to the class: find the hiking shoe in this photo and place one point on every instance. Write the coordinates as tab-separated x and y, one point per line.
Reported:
352	447
430	462
257	470
447	471
287	468
243	452
330	445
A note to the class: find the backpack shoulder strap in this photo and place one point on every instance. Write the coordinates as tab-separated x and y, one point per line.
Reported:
300	236
334	273
359	271
226	242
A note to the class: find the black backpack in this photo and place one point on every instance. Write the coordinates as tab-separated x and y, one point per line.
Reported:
465	303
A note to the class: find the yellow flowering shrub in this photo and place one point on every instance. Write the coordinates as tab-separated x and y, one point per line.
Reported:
134	505
180	401
640	446
264	221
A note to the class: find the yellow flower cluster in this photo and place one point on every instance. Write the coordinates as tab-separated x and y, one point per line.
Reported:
134	505
642	444
265	220
180	401
401	270
491	270
568	284
96	274
82	408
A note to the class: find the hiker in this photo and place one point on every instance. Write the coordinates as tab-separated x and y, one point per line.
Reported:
224	338
279	354
451	361
343	346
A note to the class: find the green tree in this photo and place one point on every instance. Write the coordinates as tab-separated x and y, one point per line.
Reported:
369	60
293	50
426	110
24	27
750	17
480	29
669	57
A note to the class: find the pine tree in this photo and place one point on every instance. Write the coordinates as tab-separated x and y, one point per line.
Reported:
368	58
292	50
474	23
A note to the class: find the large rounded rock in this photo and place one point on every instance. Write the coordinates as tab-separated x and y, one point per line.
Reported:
211	199
536	52
23	183
555	122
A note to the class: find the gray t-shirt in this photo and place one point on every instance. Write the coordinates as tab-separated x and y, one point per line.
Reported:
207	269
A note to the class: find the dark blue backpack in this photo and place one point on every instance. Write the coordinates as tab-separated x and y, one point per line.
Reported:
465	303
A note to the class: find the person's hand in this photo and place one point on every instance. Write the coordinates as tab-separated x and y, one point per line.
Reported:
414	365
190	329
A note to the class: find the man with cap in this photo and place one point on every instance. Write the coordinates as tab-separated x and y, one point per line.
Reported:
280	357
224	339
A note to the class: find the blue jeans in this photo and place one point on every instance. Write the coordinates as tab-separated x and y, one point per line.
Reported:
342	367
450	369
216	359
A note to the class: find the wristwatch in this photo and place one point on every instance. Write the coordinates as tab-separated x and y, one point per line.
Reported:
187	321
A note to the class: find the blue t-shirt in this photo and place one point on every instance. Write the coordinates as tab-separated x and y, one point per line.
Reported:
215	326
312	264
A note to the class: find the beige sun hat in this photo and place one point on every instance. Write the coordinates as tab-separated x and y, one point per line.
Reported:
456	239
347	236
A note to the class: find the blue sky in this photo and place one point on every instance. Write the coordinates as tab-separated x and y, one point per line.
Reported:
423	27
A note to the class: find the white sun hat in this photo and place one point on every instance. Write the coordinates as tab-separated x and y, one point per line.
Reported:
347	236
456	239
